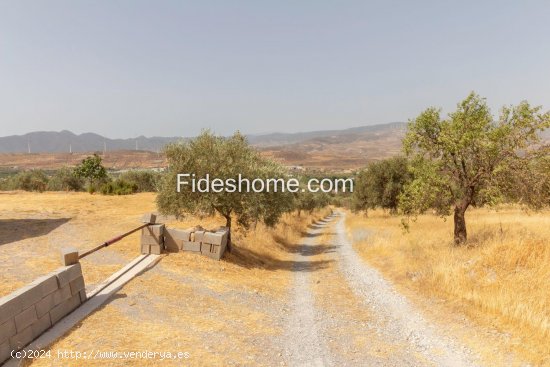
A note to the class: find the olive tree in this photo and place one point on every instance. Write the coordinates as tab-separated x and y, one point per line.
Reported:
380	184
457	161
223	160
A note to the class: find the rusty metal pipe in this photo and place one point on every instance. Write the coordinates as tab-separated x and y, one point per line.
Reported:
112	240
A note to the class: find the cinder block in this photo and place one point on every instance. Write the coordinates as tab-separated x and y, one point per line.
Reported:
145	249
44	305
21	339
29	295
174	238
62	294
215	238
205	248
41	325
172	244
180	234
156	249
191	246
214	253
149	218
5	351
68	273
83	296
10	306
199	236
77	285
151	240
154	230
47	284
69	256
64	308
25	318
7	330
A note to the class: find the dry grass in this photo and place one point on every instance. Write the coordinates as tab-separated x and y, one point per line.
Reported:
501	279
34	227
221	312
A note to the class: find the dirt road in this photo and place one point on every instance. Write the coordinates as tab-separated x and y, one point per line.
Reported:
320	331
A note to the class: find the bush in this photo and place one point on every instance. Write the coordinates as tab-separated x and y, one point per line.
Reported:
380	184
33	180
119	187
146	181
65	179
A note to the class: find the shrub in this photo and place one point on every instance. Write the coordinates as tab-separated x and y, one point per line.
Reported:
146	181
33	180
65	179
119	187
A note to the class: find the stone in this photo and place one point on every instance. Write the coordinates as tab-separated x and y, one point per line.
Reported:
149	218
21	339
154	230
62	295
68	273
25	318
156	249
150	240
191	246
83	296
46	283
5	351
41	325
77	285
64	308
44	305
199	236
145	249
10	306
215	238
69	256
7	330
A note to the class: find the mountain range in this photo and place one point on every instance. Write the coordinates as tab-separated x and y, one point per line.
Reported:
67	141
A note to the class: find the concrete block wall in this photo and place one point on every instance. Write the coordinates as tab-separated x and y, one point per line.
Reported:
152	239
207	243
26	313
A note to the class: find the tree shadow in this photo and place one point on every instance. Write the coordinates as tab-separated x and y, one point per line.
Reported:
12	230
313	235
249	259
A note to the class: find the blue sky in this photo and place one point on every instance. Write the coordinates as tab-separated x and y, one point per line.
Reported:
129	68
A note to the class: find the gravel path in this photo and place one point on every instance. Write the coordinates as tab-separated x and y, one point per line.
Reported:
304	344
396	317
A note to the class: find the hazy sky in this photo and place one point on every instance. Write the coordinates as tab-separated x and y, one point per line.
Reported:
127	68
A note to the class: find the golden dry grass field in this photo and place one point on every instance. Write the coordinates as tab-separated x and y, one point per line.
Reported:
219	312
501	280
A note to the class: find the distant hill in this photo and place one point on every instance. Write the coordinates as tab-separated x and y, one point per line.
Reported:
333	150
63	141
329	149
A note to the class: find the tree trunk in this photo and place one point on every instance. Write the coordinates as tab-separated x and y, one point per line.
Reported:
228	225
460	234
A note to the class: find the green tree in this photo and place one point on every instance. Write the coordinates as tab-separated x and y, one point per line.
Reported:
92	170
380	184
224	159
309	201
65	179
457	161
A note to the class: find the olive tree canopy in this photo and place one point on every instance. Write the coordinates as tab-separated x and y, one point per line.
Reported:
222	159
461	160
